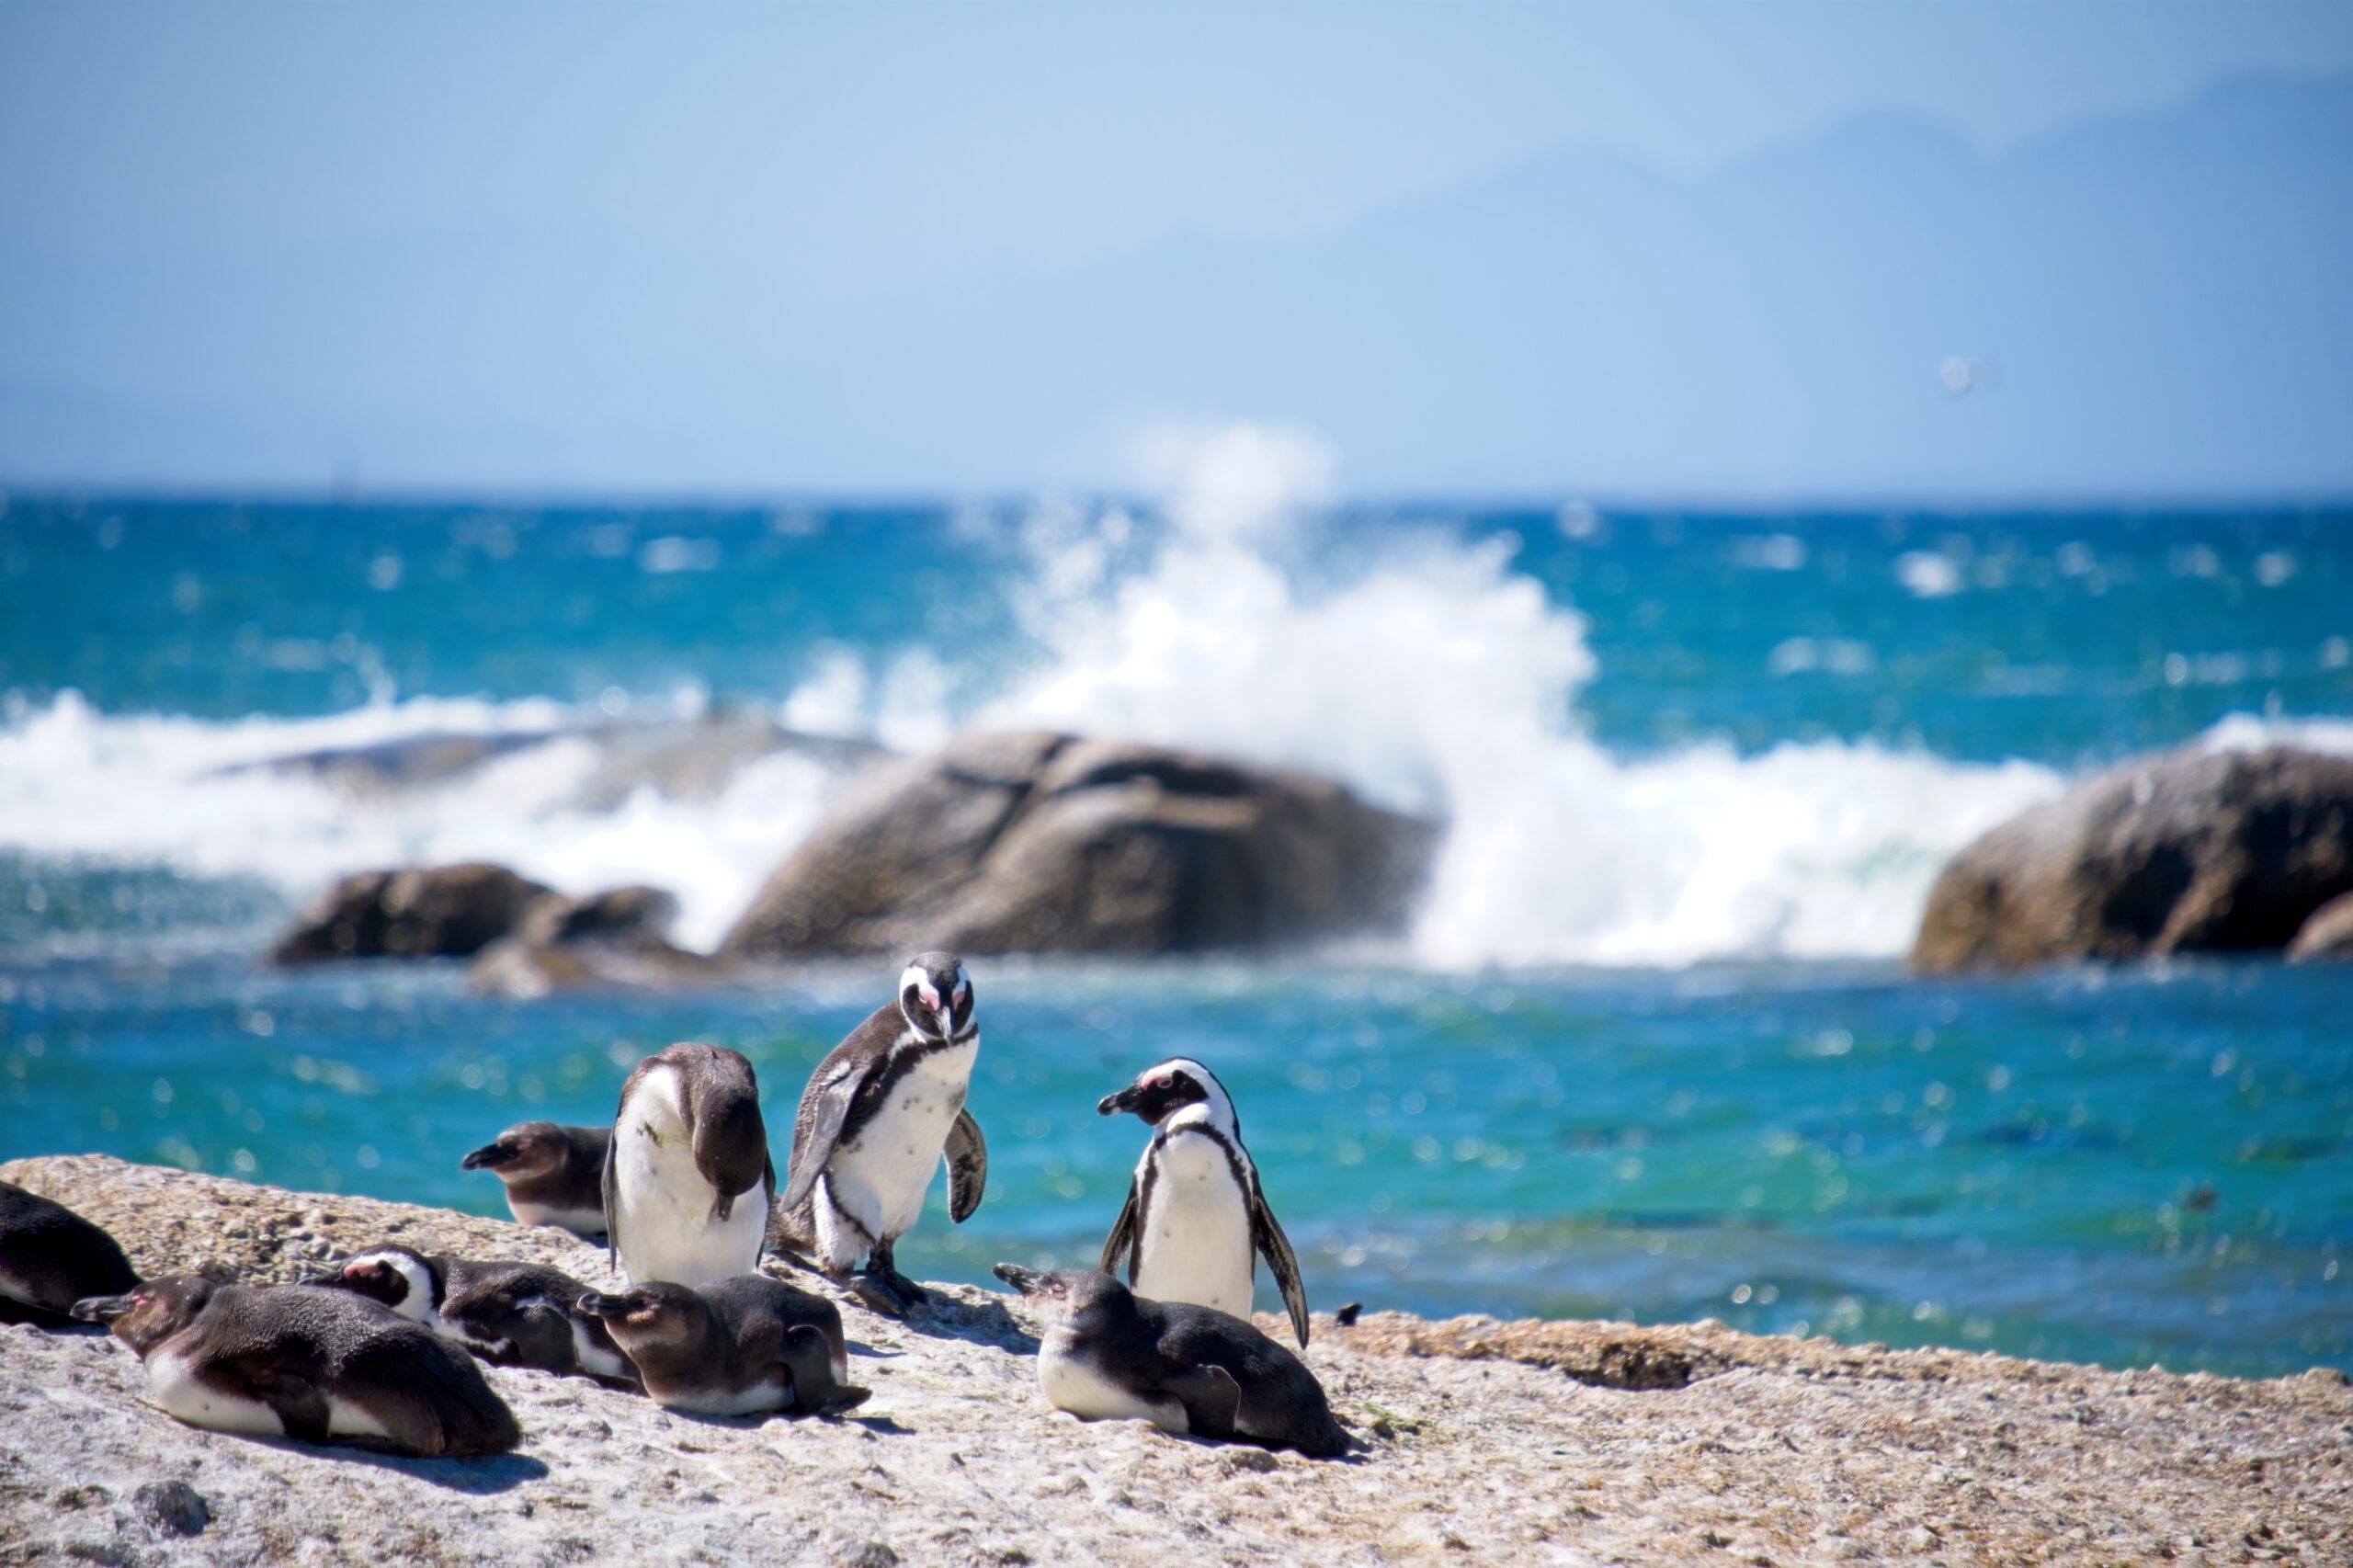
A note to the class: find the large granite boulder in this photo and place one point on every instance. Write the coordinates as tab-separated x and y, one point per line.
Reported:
619	939
2328	936
2187	852
1036	842
421	912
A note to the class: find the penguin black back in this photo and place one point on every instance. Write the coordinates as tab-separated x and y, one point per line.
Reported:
51	1258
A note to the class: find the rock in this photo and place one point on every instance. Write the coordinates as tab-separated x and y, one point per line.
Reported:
617	939
425	912
173	1507
2329	933
2187	852
1794	1449
1036	842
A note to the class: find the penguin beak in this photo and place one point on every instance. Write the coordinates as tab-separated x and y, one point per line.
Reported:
596	1304
487	1155
1112	1105
1029	1281
101	1309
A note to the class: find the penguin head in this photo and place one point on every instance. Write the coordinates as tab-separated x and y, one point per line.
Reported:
1065	1294
151	1312
646	1316
936	995
525	1149
403	1280
1164	1091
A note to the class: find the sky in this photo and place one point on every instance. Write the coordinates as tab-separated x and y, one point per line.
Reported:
706	249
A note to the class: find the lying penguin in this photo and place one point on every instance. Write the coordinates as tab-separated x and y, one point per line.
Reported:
882	1109
687	1178
740	1346
553	1174
290	1361
1110	1355
1195	1213
510	1314
50	1257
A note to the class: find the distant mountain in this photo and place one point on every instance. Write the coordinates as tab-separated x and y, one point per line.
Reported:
2157	305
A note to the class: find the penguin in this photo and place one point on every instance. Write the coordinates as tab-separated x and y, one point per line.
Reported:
740	1346
1195	1210
688	1148
50	1257
1110	1355
886	1106
554	1174
292	1361
510	1314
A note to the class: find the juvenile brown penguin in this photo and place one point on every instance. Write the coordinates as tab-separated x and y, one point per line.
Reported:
50	1257
510	1314
883	1108
1110	1355
554	1174
292	1361
688	1180
737	1346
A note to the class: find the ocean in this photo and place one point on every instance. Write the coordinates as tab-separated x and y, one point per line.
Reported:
1647	1050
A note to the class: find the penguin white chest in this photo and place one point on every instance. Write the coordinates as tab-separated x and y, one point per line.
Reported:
1194	1244
1073	1383
879	1175
665	1224
172	1378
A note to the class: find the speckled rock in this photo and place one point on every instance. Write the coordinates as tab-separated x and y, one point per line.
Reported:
1483	1441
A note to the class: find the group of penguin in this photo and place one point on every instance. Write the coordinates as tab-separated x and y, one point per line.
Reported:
683	1191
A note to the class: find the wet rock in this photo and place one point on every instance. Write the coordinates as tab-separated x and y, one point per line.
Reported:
618	940
173	1507
422	912
1036	842
2327	935
2187	852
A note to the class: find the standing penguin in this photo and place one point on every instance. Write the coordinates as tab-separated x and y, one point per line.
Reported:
688	1178
553	1174
50	1257
510	1314
884	1107
1194	1211
1109	1354
272	1360
739	1347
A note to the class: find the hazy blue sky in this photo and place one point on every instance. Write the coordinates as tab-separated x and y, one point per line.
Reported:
719	248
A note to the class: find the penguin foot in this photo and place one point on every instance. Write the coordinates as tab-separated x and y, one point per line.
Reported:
908	1290
877	1294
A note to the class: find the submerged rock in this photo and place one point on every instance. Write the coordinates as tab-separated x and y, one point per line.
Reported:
1482	1440
1036	842
422	912
2187	852
2328	935
618	938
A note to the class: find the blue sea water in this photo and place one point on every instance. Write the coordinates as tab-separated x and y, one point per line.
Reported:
1648	1050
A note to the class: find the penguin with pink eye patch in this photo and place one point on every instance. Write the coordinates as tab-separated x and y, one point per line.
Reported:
1196	1220
883	1108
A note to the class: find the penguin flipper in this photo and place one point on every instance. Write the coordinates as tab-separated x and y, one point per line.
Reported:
1119	1247
1213	1400
297	1403
811	1155
967	1166
612	1205
1275	1247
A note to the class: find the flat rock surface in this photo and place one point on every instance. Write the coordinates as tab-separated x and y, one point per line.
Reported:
1483	1441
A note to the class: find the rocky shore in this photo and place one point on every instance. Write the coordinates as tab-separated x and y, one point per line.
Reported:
1481	1441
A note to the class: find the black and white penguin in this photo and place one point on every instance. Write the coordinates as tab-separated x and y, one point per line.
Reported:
290	1361
554	1174
1195	1213
50	1257
881	1109
510	1314
740	1346
1110	1355
687	1178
